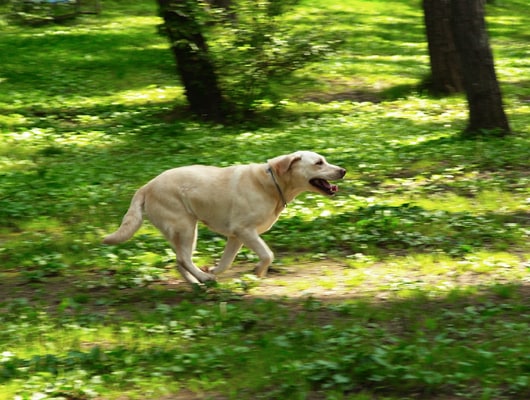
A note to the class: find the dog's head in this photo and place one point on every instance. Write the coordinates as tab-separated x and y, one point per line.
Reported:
307	171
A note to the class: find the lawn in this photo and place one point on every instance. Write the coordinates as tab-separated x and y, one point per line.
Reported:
412	282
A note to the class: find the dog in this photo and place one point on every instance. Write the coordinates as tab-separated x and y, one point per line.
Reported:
240	202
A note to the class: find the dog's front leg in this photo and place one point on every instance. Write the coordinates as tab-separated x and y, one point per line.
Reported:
252	240
233	244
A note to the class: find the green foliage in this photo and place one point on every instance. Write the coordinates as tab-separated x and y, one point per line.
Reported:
38	12
411	282
260	50
253	46
43	266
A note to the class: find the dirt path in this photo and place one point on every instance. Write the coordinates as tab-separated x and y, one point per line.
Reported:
334	279
327	280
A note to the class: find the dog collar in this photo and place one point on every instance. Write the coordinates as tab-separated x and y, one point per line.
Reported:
269	170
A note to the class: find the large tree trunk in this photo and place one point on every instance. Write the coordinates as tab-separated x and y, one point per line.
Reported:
486	112
445	75
194	65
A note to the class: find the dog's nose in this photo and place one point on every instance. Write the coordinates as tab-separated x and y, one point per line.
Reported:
342	172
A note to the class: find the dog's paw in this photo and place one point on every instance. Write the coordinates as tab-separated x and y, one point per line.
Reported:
208	277
213	270
260	272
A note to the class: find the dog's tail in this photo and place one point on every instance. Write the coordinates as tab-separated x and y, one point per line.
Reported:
131	222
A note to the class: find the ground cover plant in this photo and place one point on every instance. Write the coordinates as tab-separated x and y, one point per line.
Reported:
413	282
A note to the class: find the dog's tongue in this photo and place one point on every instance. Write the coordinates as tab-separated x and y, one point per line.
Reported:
325	185
332	188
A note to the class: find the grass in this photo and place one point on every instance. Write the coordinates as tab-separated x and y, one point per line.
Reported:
411	283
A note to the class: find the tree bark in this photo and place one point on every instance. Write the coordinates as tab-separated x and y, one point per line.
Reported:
445	75
194	65
486	112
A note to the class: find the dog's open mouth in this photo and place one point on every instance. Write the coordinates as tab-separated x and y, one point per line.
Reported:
324	186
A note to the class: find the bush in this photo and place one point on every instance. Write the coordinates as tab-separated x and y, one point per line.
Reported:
259	50
39	12
252	46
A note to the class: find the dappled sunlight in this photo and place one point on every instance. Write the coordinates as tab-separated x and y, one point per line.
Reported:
122	26
483	201
151	94
133	22
432	275
413	280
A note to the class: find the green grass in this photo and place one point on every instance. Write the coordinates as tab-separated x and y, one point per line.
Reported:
413	282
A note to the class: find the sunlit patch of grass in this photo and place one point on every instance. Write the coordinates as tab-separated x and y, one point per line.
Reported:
431	264
10	121
150	94
299	286
327	284
485	201
501	265
501	201
354	279
434	274
43	223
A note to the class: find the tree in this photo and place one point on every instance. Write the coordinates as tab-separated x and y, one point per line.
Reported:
230	55
486	112
194	64
445	75
461	59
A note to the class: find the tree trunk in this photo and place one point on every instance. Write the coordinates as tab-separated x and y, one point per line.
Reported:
194	65
486	113
445	75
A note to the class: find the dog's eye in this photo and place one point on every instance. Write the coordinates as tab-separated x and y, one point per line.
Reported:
319	162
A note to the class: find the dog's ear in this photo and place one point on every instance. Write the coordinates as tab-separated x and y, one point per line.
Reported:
282	164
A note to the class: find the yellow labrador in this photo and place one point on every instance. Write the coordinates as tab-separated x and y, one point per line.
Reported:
240	202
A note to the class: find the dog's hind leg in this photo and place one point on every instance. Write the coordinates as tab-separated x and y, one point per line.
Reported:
183	242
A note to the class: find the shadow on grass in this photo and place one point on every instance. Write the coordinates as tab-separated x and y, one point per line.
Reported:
481	153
